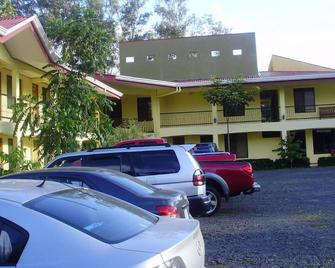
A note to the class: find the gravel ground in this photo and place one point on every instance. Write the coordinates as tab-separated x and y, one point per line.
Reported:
290	223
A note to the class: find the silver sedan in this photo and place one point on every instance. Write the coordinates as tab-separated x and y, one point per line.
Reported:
48	224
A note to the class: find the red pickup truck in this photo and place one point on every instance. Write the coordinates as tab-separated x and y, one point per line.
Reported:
225	177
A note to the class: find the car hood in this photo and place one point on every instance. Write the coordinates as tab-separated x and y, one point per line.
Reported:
171	238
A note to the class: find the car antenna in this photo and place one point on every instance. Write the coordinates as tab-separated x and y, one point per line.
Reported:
42	183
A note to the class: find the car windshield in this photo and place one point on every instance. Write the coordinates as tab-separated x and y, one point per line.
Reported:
105	218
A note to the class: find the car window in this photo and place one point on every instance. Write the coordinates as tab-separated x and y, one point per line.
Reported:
68	162
12	242
107	161
98	215
155	162
66	179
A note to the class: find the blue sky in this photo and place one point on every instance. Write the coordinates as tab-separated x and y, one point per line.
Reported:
298	29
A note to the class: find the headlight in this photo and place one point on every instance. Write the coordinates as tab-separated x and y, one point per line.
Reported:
176	262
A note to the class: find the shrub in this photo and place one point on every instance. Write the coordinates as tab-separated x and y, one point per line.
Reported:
326	161
261	164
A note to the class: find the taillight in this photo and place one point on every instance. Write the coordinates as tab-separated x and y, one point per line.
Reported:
167	210
247	168
198	178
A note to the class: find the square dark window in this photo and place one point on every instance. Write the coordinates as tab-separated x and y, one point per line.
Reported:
323	141
234	111
238	144
144	109
304	100
178	140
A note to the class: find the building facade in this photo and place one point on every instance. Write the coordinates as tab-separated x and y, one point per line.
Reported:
24	52
296	98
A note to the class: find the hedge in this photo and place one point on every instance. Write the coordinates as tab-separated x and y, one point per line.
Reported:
326	161
266	163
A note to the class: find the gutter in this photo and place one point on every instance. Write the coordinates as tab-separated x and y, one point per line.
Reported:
177	90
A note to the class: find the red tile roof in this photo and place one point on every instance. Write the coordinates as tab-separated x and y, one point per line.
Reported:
11	22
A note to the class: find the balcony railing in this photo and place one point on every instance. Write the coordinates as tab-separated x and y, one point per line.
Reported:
146	126
264	114
186	118
310	111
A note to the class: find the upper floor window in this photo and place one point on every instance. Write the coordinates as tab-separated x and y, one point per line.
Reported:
172	56
10	98
237	111
304	100
151	58
130	59
193	54
215	53
237	52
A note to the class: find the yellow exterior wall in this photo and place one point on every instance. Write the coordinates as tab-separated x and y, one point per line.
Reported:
259	147
192	139
187	101
129	106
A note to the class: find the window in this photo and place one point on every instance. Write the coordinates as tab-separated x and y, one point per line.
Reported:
105	218
12	242
10	145
304	100
130	59
172	56
66	179
193	54
68	162
234	111
10	98
155	162
144	109
118	162
271	134
206	138
178	140
21	87
323	141
238	144
215	53
151	58
45	93
237	52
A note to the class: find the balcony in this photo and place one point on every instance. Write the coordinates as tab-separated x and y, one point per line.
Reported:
321	111
186	118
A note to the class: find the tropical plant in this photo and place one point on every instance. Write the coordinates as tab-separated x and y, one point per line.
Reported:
232	96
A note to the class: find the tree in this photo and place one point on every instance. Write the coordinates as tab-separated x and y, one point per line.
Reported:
6	9
231	96
74	109
290	149
131	19
206	25
174	19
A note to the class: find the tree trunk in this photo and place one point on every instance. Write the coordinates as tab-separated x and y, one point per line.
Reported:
228	135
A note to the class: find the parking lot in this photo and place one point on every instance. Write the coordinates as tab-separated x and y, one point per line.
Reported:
290	223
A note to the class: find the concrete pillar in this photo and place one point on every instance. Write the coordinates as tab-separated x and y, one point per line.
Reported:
216	139
16	93
284	134
214	115
156	114
282	104
310	147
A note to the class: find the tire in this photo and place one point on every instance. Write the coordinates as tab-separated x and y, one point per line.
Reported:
216	200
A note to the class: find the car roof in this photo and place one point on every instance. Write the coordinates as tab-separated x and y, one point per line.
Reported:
119	150
22	191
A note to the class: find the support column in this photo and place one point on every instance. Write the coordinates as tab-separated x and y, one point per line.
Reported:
214	115
310	147
284	134
156	114
216	139
282	104
16	93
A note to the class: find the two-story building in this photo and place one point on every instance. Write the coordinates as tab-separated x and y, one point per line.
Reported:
163	83
24	52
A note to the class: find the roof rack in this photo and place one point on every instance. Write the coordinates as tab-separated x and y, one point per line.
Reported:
128	146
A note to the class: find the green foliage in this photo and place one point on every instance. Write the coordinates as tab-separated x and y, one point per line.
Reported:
326	161
231	96
289	150
16	162
74	109
84	42
6	9
206	25
173	18
261	164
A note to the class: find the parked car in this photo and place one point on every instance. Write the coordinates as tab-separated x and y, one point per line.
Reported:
162	165
120	185
50	224
225	177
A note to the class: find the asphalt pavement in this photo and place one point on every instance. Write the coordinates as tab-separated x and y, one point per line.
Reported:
290	223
